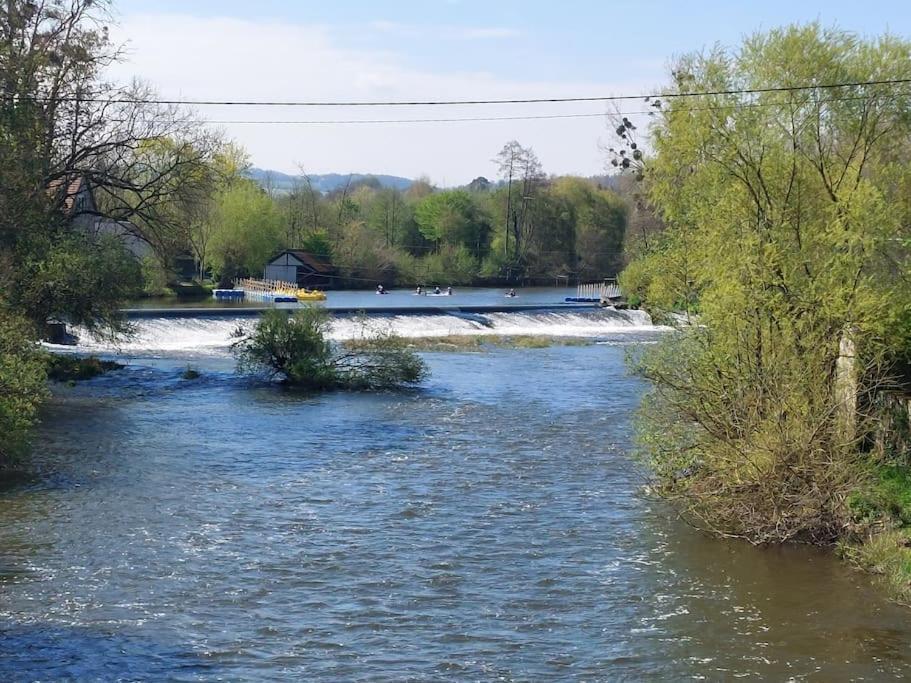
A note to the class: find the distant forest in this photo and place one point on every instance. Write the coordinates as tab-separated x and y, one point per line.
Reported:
521	227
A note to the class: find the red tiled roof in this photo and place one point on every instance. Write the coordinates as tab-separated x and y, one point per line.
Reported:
66	191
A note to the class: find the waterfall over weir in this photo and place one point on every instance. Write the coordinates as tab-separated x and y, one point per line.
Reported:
213	334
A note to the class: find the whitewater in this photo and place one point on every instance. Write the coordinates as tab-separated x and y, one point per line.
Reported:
213	335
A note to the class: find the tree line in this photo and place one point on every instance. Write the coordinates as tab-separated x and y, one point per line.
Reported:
527	227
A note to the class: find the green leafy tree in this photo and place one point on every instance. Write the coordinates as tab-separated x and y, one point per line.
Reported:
600	225
319	244
247	230
452	217
787	221
22	383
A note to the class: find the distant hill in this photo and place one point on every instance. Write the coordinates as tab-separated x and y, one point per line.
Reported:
325	183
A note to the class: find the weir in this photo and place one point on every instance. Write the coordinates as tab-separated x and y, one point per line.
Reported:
250	312
211	331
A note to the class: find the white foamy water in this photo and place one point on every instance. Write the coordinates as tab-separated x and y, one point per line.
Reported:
203	335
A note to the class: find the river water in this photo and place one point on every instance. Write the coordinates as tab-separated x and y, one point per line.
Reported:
487	526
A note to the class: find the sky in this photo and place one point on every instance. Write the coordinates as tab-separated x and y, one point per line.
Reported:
344	50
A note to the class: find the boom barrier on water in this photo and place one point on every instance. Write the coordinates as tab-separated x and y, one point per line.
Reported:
604	292
273	291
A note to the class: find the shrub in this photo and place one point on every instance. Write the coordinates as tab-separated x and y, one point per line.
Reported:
295	349
62	368
22	383
154	277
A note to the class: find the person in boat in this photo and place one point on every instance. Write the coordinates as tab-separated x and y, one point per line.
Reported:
380	289
511	293
449	291
420	290
436	290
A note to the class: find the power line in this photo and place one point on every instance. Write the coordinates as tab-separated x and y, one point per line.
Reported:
433	103
534	117
440	120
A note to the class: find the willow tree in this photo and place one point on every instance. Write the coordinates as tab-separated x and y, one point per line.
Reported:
785	200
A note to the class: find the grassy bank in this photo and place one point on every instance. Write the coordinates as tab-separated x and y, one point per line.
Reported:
886	554
883	514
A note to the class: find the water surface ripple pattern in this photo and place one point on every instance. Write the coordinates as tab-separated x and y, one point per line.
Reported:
485	527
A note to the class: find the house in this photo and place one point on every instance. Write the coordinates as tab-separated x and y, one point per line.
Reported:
301	268
76	202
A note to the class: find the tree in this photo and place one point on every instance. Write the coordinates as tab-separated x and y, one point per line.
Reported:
295	349
247	231
22	383
60	121
600	226
363	257
226	168
520	167
452	217
787	225
479	184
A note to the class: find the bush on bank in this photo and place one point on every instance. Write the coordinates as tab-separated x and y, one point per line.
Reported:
295	348
22	384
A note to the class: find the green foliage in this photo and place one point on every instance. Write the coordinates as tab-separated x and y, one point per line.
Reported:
318	244
566	227
247	228
363	257
452	265
785	223
67	368
155	277
295	348
886	553
22	383
452	218
600	224
83	282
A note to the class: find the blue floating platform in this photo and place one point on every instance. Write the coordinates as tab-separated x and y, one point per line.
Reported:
228	293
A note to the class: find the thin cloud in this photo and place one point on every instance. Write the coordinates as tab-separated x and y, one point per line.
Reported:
445	31
190	57
497	33
384	26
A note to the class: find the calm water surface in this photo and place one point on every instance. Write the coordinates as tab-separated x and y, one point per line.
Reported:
485	527
401	298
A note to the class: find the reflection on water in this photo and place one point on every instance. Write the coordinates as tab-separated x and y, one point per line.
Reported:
485	527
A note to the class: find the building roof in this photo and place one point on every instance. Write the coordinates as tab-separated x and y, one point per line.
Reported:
66	190
307	258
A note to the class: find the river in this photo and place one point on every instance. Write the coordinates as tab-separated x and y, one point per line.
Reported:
489	525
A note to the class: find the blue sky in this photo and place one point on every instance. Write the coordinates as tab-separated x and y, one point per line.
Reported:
356	49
